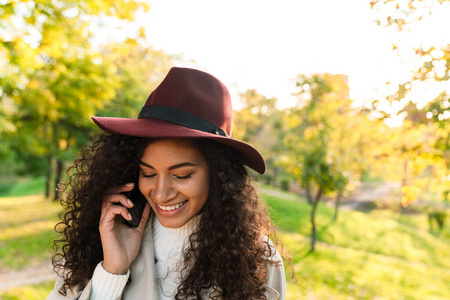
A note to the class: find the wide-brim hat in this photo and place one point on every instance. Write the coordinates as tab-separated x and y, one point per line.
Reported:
188	103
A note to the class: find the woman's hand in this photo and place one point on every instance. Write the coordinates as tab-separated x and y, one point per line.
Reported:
120	242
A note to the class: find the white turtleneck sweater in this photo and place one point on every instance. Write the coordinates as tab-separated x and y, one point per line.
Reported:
169	243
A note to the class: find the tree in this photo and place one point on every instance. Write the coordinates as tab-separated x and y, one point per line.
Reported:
55	79
431	119
139	69
403	14
317	156
407	17
414	149
259	123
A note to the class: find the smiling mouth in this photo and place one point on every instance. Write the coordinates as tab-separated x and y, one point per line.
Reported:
171	207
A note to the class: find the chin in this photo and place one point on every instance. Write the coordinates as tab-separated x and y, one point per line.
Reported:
174	224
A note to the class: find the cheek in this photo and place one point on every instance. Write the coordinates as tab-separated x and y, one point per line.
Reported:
141	185
144	187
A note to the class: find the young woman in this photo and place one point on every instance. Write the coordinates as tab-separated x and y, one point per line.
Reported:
203	233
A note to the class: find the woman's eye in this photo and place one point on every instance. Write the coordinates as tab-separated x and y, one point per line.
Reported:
148	176
183	177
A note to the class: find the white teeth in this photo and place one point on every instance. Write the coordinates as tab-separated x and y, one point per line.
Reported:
172	207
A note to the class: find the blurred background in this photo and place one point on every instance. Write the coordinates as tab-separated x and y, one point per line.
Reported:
348	101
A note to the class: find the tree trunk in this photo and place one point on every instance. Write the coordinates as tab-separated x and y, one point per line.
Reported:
313	219
58	177
336	206
308	194
404	183
48	181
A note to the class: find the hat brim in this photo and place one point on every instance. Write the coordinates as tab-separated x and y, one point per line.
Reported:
153	128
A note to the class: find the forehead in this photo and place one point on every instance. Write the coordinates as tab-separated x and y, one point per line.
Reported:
172	150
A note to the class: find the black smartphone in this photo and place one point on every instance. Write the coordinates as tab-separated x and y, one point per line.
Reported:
139	201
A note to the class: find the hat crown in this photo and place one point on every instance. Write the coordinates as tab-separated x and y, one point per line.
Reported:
197	93
188	103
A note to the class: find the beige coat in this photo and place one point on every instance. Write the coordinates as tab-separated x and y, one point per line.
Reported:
144	284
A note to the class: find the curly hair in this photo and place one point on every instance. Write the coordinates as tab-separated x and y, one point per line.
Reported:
225	260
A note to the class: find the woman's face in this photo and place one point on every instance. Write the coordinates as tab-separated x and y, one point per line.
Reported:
174	177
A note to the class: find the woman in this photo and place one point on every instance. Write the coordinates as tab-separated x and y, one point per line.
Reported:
203	232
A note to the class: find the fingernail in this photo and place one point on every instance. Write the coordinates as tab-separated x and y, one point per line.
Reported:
129	184
129	217
130	203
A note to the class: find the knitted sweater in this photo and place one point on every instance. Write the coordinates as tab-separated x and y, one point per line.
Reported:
169	245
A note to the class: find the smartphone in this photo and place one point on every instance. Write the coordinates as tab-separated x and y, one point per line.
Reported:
139	201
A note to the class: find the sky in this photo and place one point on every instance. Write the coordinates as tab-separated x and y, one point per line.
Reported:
263	45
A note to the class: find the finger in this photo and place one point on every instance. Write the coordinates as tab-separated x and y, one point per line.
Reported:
117	198
144	218
123	188
112	212
111	201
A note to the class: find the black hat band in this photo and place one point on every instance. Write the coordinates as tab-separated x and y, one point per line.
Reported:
179	117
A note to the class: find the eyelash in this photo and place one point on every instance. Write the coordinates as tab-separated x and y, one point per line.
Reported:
148	176
183	177
178	177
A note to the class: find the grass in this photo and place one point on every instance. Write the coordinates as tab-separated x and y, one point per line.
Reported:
376	255
26	228
29	292
380	255
25	187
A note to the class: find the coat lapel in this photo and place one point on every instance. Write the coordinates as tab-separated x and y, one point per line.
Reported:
143	283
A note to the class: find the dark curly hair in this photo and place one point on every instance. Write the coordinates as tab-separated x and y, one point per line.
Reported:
227	259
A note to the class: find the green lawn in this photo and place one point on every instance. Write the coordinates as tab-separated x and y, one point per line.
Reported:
25	187
26	228
28	292
381	255
378	255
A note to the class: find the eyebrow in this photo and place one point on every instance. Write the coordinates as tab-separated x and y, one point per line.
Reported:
183	164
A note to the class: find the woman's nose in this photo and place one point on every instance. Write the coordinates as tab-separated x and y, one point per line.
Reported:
163	191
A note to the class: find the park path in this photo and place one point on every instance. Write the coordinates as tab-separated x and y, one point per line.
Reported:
275	193
30	275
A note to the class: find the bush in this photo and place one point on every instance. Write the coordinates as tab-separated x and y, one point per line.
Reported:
438	217
284	184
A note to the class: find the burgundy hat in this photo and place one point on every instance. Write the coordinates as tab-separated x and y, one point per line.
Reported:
187	103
